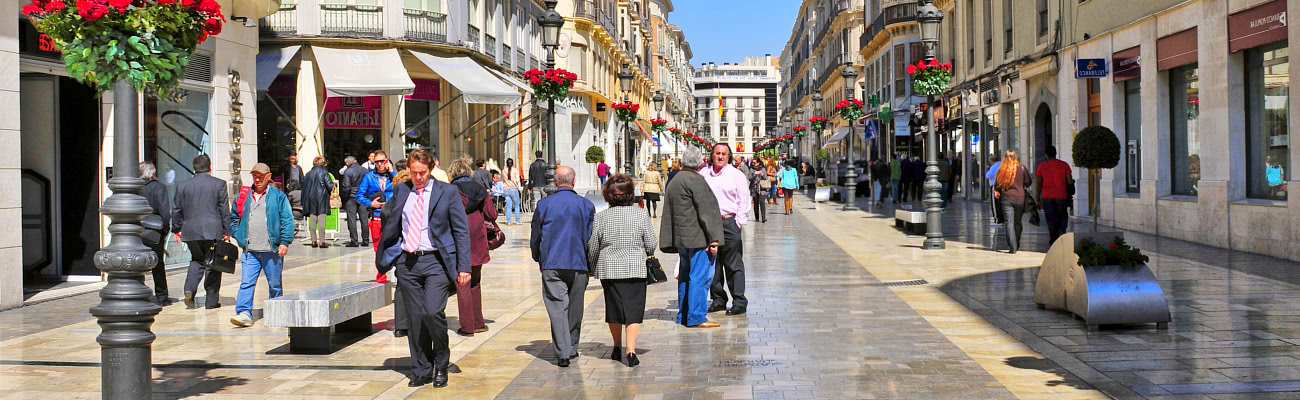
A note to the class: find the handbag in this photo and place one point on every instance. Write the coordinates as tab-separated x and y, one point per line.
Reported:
153	226
221	257
1031	207
495	236
654	271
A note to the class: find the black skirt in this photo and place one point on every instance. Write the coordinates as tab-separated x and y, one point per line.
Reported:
624	300
651	196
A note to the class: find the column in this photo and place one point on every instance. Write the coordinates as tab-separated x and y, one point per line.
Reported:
11	241
1293	202
1214	125
311	100
309	17
393	129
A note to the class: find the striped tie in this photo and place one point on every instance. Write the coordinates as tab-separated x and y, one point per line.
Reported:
416	224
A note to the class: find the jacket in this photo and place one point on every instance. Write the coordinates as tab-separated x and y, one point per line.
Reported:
293	178
447	227
155	193
370	186
945	171
537	174
279	219
478	209
316	189
650	182
199	209
351	181
691	216
561	226
621	239
482	177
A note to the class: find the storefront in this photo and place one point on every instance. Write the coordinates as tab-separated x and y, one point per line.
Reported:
1261	33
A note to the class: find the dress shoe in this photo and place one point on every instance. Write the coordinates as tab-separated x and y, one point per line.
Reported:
717	307
417	381
463	333
350	244
481	329
213	307
189	299
440	378
365	244
707	324
736	311
631	360
617	354
324	245
563	363
399	333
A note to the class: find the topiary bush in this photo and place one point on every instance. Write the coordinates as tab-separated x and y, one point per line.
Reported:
1096	147
595	154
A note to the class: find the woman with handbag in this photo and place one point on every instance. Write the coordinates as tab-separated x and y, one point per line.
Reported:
316	188
774	191
1012	179
651	187
621	238
479	211
759	184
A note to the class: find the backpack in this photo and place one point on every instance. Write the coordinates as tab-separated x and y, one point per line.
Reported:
239	201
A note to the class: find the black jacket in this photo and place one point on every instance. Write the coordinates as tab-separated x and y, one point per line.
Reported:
537	174
156	194
316	189
351	181
201	210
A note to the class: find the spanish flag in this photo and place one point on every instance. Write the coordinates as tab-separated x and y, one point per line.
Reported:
721	113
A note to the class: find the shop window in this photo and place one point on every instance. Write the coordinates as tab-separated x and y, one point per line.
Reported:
1133	135
1184	104
175	133
421	135
1267	137
1011	126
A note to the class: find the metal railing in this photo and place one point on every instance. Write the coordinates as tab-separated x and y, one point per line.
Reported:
425	26
585	9
507	55
351	20
472	39
519	61
282	23
490	47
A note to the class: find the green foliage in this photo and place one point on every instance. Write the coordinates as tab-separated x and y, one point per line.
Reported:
1096	147
930	81
1116	253
821	155
595	154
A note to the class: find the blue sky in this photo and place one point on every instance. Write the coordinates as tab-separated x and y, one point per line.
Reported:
728	30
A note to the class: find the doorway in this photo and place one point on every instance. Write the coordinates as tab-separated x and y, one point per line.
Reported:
1042	132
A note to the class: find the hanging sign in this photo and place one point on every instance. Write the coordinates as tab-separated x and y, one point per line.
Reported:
353	112
1090	68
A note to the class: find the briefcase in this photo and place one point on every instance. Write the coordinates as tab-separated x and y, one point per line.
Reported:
221	257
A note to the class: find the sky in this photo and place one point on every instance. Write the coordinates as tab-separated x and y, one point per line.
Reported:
729	30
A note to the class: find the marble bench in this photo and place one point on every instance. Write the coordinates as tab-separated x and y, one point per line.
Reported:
315	314
912	222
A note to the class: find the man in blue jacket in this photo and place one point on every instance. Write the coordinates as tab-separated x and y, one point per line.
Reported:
561	227
262	223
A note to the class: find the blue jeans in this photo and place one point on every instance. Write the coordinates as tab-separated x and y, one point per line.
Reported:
512	206
602	179
943	194
253	265
875	192
898	190
694	276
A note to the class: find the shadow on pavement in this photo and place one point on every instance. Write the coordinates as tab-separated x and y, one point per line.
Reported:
189	378
1049	366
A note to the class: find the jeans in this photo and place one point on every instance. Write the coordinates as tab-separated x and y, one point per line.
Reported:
1057	220
694	276
252	265
512	206
1014	211
875	194
898	190
944	194
602	179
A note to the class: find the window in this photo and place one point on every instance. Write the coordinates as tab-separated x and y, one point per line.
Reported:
1006	27
579	62
900	74
1133	135
1184	105
988	30
426	5
1094	102
724	132
1042	18
1011	125
970	34
1268	100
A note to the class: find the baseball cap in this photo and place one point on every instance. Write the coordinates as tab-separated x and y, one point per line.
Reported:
261	168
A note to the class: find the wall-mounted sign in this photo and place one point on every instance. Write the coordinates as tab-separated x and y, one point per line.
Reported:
425	89
353	112
1257	26
989	96
1090	68
1128	64
33	42
236	131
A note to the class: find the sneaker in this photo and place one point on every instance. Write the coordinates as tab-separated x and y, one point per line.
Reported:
242	320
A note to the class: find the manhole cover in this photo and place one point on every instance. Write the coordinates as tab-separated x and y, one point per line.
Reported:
911	282
747	363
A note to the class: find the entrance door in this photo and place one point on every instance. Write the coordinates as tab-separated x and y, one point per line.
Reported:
1042	132
40	162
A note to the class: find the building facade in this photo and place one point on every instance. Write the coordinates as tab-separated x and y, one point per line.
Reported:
824	41
737	104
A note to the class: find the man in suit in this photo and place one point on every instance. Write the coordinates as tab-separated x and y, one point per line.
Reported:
560	229
200	219
352	175
481	175
537	178
156	194
425	236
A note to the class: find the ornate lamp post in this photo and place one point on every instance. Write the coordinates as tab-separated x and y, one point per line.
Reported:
929	17
677	114
551	22
817	100
850	75
785	126
659	110
625	77
798	141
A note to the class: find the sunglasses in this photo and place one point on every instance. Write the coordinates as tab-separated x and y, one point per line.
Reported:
381	161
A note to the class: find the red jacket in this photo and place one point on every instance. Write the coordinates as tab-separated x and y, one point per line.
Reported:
478	208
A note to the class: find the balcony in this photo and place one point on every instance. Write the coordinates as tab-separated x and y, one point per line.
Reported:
473	37
425	26
507	56
585	9
892	15
282	23
353	21
490	47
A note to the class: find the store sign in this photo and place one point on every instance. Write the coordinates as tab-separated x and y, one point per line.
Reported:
990	96
236	130
33	42
1128	64
1257	26
425	89
353	112
1090	68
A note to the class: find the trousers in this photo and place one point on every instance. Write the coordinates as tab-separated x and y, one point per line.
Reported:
513	214
1057	219
160	271
357	213
898	190
197	272
1013	211
469	301
252	265
424	290
760	206
730	268
400	318
563	291
694	275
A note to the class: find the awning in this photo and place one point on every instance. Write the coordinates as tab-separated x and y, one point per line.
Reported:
359	73
270	62
839	135
511	80
476	84
645	130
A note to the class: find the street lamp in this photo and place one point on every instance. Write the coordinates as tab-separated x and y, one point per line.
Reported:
551	22
625	82
677	114
929	17
658	99
785	124
798	141
817	109
850	76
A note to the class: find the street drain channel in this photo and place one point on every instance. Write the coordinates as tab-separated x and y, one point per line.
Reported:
747	363
910	282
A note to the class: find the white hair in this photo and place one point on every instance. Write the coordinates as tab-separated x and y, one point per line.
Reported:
692	157
148	171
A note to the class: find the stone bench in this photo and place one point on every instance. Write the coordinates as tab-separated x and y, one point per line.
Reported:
912	222
315	314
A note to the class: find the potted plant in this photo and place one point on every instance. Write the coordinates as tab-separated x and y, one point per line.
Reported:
1095	148
551	84
658	125
930	79
1101	279
626	111
823	192
849	110
595	154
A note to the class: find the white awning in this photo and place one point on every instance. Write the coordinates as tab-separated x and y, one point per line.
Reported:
476	84
511	80
270	62
358	73
839	135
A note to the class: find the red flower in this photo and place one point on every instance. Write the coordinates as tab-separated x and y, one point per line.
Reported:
119	4
31	9
212	26
1112	245
911	69
55	6
188	3
208	6
947	66
934	62
203	37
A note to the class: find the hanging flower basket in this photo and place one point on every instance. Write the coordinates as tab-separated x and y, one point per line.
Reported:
849	110
551	84
787	138
799	131
146	42
626	111
818	123
658	125
930	79
675	133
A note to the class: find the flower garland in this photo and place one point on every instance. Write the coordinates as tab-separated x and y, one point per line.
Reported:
675	133
146	42
929	79
626	111
551	84
800	130
849	110
818	123
658	125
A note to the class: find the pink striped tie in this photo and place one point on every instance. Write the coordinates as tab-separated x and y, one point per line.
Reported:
414	227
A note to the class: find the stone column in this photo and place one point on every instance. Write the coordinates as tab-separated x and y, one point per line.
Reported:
310	102
393	129
309	17
1293	202
1214	125
11	241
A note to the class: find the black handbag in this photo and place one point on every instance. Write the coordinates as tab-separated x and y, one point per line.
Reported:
654	271
153	226
1031	207
221	257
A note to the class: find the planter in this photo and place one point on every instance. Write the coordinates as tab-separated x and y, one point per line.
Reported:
823	193
1100	295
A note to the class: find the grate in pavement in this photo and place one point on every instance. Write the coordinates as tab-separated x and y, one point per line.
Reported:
747	363
910	282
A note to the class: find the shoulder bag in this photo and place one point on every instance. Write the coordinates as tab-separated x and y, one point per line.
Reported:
221	257
654	271
495	236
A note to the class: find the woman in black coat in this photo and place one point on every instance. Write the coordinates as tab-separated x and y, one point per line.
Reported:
316	188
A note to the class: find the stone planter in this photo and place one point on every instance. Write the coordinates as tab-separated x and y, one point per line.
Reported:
822	193
1100	295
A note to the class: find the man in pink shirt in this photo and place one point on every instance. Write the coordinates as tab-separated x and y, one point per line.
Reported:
731	187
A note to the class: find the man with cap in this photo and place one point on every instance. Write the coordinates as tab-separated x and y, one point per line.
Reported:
262	223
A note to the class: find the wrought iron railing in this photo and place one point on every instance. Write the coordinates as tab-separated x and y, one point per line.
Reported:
425	26
507	55
472	40
351	20
585	9
282	23
490	47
